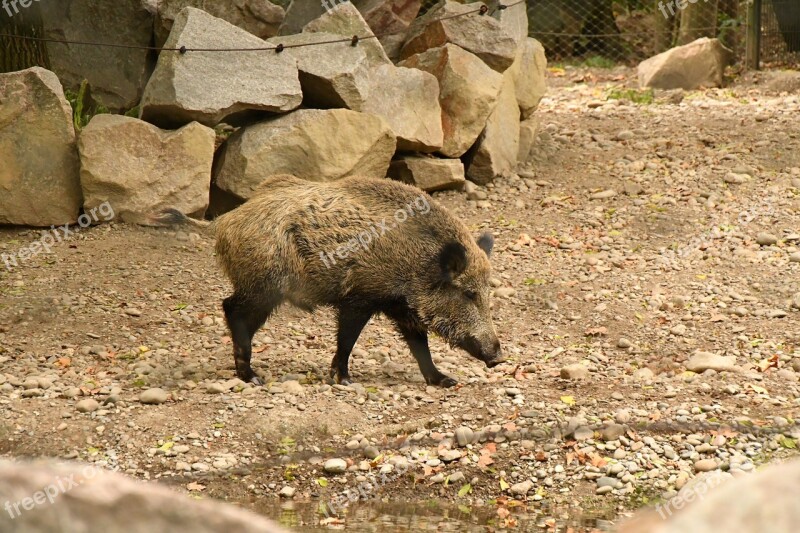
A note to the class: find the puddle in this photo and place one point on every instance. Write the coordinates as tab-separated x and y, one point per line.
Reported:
383	517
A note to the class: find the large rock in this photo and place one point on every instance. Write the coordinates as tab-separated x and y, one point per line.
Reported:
140	169
298	14
468	92
528	73
117	75
45	497
428	173
528	129
345	20
389	16
331	75
484	36
262	18
39	166
700	63
496	151
514	19
409	101
210	87
311	144
764	501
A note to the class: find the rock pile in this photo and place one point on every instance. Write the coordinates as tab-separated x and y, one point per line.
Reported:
458	103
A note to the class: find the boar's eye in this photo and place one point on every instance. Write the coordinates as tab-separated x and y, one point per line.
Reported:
472	295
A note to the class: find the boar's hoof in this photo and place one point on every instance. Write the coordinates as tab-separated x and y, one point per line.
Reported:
257	381
345	381
445	382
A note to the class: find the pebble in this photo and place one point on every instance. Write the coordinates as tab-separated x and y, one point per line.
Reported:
154	396
464	436
702	361
335	466
705	465
575	371
88	405
522	488
287	492
766	239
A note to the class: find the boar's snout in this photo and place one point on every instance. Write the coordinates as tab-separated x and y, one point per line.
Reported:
496	356
488	352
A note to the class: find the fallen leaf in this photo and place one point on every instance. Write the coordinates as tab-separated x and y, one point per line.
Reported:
466	489
503	484
502	512
569	400
194	486
63	362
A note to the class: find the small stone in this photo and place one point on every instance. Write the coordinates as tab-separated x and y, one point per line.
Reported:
456	477
612	432
335	466
293	387
464	436
734	178
583	433
215	388
132	311
88	405
624	343
575	371
603	195
794	257
624	135
287	492
371	452
154	396
505	292
705	465
702	361
766	239
522	488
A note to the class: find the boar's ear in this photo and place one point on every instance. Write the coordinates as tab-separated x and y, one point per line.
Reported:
486	243
453	260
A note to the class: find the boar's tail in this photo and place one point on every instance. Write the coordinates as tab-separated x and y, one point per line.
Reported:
173	217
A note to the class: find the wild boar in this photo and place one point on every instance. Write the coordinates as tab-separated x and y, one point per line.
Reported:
361	246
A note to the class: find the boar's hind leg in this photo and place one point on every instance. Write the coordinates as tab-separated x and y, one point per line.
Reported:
351	323
418	343
244	316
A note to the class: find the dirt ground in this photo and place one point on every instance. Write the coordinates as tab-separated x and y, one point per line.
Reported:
642	231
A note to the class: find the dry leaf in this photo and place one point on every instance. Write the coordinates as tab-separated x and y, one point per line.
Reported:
63	362
194	486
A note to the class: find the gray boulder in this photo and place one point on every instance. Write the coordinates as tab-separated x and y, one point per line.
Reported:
528	74
496	151
317	145
700	63
389	16
468	91
48	497
140	169
117	75
298	14
484	36
210	87
345	20
408	99
764	501
38	158
428	173
262	18
331	75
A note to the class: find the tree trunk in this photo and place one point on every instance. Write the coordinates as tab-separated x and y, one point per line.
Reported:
19	54
698	20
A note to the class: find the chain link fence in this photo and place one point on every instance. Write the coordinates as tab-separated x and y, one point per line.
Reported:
780	33
628	31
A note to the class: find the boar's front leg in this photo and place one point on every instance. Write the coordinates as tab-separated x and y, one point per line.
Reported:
351	323
418	343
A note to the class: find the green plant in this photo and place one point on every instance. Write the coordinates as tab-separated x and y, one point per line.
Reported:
83	107
643	97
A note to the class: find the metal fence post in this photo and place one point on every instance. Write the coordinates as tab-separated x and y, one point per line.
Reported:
753	34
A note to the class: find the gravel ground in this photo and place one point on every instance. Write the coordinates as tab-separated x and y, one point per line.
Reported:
647	292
